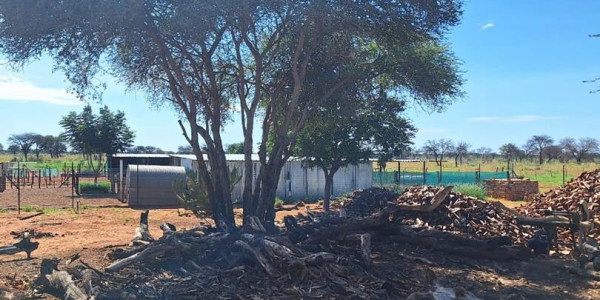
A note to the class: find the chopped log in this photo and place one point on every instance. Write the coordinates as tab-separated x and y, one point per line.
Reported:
142	234
57	283
365	247
437	200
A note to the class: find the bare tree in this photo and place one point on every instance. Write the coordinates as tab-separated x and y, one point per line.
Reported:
510	151
537	144
460	150
581	149
437	149
554	152
485	153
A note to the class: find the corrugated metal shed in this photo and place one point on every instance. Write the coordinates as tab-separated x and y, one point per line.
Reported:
295	181
152	185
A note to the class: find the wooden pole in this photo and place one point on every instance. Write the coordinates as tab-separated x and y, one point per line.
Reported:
424	174
121	194
563	174
18	189
440	174
137	186
72	184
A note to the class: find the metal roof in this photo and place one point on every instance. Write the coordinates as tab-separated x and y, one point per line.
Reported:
140	155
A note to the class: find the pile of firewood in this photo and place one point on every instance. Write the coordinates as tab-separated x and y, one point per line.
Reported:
584	187
457	212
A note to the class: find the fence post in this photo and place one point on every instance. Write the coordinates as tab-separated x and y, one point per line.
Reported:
424	174
563	174
18	188
72	185
440	174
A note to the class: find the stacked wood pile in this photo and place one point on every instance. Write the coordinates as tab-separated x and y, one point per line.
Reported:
567	198
584	187
457	212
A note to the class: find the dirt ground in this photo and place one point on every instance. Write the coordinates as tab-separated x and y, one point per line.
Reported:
95	231
52	197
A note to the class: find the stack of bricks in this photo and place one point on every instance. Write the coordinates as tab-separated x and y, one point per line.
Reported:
514	189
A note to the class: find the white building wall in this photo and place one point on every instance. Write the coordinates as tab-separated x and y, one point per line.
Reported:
299	183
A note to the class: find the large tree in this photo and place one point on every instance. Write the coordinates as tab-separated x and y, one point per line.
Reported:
460	150
340	134
235	148
537	144
438	149
205	57
96	135
24	142
510	152
1	147
581	149
53	145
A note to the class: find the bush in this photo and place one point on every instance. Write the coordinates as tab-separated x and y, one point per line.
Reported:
192	194
278	202
94	188
472	190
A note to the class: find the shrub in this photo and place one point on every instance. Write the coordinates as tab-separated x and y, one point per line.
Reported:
192	194
472	190
94	188
278	202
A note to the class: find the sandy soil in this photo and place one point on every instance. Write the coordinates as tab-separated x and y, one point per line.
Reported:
53	197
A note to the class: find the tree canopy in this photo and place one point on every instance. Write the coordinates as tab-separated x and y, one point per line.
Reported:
23	142
341	135
95	135
235	148
276	59
537	144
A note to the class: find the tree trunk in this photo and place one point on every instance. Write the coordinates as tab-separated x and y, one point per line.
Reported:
248	174
328	186
540	156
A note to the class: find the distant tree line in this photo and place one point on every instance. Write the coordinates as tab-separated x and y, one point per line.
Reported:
539	148
33	143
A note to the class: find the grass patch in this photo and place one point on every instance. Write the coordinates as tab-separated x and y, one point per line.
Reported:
472	190
52	210
3	211
116	210
94	188
30	208
278	202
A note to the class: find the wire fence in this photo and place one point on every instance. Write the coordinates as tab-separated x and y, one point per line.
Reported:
434	178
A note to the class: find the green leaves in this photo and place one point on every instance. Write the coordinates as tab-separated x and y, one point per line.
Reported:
106	133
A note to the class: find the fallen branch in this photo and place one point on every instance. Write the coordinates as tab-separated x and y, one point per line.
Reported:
31	216
446	242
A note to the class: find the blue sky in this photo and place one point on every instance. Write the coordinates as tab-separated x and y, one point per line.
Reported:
523	63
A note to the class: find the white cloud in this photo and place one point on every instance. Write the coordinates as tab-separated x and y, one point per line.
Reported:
433	130
487	26
514	119
17	89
